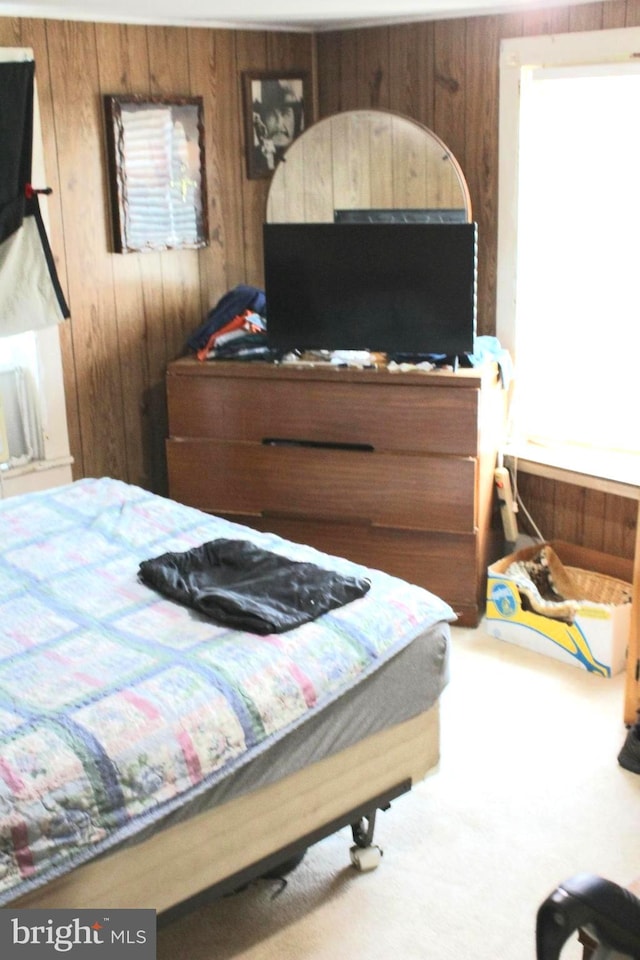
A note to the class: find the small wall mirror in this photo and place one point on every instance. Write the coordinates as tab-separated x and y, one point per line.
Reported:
156	172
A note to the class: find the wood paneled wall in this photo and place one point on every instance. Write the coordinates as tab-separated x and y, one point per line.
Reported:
446	75
590	518
131	313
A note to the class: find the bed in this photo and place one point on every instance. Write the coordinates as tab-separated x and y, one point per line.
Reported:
150	755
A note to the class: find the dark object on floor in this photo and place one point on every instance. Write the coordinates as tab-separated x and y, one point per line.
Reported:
629	756
279	873
609	912
282	869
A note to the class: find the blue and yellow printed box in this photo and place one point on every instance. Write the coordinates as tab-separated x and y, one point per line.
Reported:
596	640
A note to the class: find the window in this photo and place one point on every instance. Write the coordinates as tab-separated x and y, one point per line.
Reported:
569	247
19	391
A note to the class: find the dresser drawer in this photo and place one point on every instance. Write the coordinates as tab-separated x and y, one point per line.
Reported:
370	488
426	559
385	415
392	469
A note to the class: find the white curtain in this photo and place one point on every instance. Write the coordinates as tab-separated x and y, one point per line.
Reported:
20	433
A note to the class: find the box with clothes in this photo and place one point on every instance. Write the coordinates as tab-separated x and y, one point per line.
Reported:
541	598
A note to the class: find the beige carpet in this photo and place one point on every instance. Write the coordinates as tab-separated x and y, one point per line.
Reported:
528	792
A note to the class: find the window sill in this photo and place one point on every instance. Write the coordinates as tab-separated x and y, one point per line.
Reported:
614	473
38	475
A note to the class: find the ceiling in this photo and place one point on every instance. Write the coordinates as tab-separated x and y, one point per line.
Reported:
298	15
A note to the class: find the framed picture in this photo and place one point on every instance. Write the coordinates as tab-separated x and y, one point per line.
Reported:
277	108
156	172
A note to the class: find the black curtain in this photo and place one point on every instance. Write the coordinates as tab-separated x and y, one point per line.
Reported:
18	198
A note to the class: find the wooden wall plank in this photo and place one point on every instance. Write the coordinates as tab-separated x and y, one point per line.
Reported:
614	14
123	66
546	20
168	57
599	521
372	74
78	126
586	16
481	119
568	515
337	59
593	519
620	516
11	32
411	71
213	70
538	499
290	51
251	54
449	87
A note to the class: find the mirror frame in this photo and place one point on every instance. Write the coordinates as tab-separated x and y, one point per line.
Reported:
138	170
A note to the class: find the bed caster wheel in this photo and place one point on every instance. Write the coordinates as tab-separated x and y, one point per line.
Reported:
365	858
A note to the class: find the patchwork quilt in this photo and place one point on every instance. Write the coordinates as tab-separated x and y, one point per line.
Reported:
117	704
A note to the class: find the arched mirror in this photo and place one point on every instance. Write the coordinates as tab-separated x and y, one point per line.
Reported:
366	160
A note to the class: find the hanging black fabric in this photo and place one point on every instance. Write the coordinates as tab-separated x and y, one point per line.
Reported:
18	198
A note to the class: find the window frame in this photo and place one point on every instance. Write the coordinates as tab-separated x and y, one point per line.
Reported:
516	55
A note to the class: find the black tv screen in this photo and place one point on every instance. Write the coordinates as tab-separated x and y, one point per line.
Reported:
396	288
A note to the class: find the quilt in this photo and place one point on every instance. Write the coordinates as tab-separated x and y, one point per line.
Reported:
116	703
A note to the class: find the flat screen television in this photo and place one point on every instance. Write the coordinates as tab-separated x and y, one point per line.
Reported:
396	288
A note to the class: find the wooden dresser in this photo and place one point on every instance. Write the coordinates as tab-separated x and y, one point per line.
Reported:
392	470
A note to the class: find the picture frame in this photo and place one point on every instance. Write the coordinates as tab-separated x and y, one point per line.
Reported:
277	109
157	180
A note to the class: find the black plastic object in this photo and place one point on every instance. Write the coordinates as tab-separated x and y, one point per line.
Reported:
604	909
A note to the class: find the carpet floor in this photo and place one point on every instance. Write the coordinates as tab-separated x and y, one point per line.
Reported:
527	793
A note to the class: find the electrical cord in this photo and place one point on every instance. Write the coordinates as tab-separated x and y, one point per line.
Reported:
513	472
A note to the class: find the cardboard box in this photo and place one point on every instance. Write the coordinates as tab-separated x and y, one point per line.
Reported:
596	638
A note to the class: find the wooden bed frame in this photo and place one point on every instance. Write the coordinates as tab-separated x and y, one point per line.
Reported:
217	850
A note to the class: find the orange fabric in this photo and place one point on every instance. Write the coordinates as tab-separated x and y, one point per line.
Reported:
241	321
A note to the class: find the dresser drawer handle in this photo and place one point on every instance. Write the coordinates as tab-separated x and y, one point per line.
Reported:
319	444
305	517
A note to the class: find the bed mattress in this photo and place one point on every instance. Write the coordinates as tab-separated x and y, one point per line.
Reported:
405	685
120	710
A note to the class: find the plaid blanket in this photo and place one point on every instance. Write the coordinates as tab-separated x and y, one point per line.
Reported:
116	704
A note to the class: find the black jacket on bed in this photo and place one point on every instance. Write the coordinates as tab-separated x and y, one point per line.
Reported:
240	585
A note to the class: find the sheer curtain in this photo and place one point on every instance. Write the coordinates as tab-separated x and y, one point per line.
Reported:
21	423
